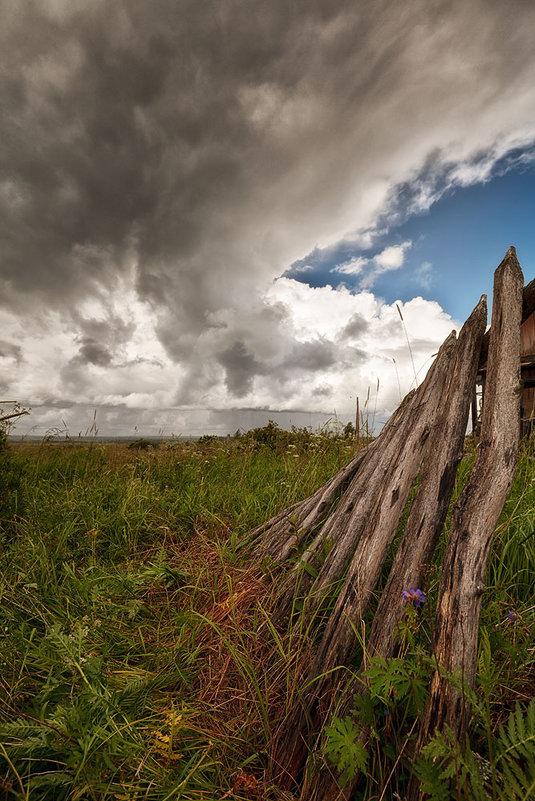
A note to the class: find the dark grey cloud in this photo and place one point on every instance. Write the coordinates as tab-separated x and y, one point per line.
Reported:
311	356
140	125
8	350
100	341
322	392
124	124
94	353
356	327
199	149
111	330
241	367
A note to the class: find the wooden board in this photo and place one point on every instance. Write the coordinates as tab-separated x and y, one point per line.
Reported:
527	336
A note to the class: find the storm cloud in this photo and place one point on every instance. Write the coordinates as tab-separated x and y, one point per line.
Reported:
163	163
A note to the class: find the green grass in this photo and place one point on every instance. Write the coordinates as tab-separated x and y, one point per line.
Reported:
137	660
123	608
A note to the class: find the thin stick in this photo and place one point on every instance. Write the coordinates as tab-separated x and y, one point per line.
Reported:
357	424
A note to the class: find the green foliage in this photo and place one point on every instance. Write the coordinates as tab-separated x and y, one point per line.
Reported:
302	440
109	582
207	439
122	610
11	475
344	749
399	681
142	445
445	770
515	754
349	431
393	692
12	490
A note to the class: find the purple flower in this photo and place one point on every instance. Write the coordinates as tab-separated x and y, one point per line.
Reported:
513	616
415	597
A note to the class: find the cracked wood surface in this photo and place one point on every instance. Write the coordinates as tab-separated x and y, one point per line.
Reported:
475	516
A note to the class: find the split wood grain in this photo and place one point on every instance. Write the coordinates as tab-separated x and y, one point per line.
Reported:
475	517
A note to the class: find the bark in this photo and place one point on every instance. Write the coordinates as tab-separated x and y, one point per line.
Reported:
378	515
428	512
343	527
422	529
364	571
476	515
279	537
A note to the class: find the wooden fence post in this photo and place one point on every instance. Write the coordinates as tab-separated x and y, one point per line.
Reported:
475	516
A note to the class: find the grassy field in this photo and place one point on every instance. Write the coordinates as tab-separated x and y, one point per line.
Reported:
137	660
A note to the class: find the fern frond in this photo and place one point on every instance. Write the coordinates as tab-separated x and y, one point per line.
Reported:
516	754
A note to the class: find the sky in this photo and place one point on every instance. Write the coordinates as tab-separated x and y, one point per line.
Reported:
218	213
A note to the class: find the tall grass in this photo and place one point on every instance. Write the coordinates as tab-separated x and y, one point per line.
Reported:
128	631
137	657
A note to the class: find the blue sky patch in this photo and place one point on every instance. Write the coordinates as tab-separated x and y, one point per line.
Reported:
448	253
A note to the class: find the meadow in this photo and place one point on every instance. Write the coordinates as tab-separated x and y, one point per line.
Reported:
137	656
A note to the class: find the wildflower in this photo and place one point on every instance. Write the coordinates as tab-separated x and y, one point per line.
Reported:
415	597
513	616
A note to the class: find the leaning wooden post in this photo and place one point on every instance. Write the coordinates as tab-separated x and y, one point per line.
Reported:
371	502
476	514
12	415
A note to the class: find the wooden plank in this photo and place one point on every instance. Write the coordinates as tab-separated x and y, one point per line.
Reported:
402	443
476	514
528	403
527	336
343	527
278	538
